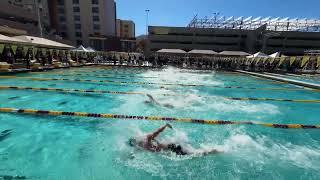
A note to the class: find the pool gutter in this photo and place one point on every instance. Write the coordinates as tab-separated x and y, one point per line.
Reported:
295	82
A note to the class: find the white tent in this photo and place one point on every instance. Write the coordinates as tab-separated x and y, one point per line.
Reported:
90	49
205	52
275	55
176	51
258	54
234	53
81	49
43	42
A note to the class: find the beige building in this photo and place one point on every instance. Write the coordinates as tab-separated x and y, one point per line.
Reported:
22	15
125	29
31	6
84	22
126	33
221	39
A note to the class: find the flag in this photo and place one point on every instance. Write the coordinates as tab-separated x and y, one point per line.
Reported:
1	48
14	48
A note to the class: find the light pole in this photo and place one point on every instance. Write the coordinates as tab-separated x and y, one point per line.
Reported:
147	20
216	14
37	6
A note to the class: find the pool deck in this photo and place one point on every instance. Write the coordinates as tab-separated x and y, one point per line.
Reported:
291	81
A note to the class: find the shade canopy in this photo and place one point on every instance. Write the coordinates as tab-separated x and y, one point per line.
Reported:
7	39
176	51
274	55
81	49
234	53
90	49
37	41
204	52
258	54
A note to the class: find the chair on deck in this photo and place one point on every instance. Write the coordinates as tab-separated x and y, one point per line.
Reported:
7	59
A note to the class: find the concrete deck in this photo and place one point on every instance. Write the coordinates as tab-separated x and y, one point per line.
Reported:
291	81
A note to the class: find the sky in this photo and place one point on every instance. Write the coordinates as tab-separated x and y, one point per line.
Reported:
181	12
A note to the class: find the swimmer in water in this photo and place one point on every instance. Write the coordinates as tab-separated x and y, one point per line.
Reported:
5	134
150	143
153	101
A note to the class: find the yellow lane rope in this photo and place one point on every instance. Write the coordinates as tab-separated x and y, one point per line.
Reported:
149	83
156	118
143	93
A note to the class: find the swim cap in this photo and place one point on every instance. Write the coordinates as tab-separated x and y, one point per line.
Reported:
132	142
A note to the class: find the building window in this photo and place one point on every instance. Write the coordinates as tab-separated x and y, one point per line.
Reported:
95	18
63	27
95	1
77	26
78	34
75	1
60	2
76	18
126	26
79	42
95	9
62	19
76	9
61	10
96	44
63	34
96	27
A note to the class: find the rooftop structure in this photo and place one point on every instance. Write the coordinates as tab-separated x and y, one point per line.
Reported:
252	23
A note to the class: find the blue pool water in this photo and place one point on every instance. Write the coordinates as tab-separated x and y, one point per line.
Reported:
47	147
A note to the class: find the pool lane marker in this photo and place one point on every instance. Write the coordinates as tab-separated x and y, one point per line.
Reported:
67	90
148	83
106	73
143	93
93	75
155	118
126	77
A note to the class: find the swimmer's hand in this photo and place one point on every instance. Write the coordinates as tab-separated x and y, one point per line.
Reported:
168	106
169	126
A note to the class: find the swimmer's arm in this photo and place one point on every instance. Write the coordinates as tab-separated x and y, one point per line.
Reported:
150	137
214	151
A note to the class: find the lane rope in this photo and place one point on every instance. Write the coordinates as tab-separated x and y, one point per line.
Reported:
143	93
156	118
93	75
130	76
149	83
126	77
107	73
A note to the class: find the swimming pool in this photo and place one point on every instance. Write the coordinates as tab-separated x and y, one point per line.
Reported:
59	147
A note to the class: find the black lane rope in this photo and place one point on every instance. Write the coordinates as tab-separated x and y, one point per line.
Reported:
94	75
143	93
156	118
149	83
126	77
